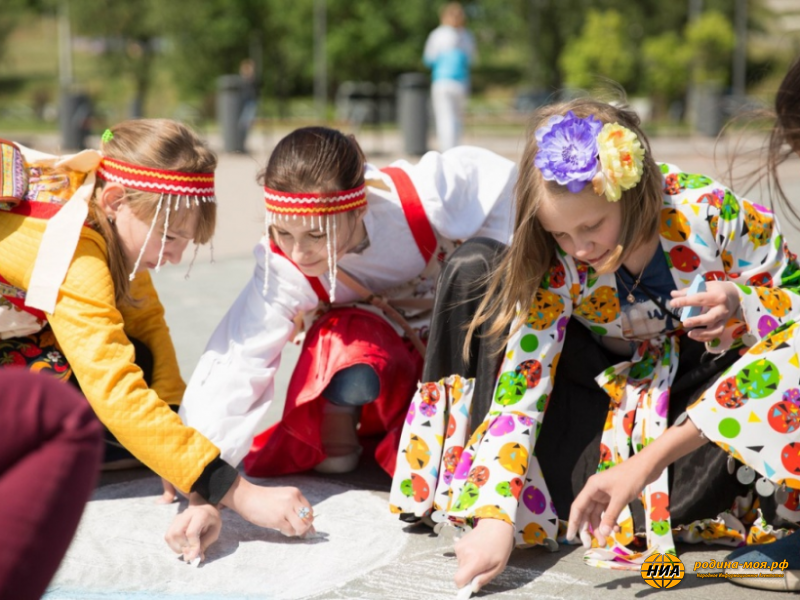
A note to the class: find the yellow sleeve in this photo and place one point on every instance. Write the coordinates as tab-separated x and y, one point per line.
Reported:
146	323
90	330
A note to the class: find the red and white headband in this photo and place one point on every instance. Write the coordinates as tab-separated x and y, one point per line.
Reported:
199	186
311	204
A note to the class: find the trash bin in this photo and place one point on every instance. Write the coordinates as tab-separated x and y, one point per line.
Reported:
74	119
412	111
229	110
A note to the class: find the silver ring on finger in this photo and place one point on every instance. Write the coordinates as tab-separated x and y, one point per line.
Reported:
304	512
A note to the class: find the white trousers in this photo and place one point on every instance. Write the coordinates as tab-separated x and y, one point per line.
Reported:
449	99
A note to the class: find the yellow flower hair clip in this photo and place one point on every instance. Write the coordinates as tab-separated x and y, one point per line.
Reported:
621	155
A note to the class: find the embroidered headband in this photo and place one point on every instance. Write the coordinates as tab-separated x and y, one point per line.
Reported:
574	151
311	204
199	186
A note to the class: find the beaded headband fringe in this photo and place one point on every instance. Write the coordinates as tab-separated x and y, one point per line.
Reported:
175	188
318	211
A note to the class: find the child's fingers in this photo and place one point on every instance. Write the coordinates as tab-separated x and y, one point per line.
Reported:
193	546
176	535
586	537
472	573
608	523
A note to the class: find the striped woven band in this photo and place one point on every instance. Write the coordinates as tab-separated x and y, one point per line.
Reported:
146	179
305	204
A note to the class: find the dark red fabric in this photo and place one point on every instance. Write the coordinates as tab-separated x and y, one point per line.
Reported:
39	210
414	211
50	450
341	338
20	303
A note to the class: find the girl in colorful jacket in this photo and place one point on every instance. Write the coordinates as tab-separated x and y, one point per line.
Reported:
597	362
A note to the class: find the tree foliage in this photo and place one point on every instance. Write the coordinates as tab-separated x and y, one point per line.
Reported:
711	40
665	64
602	50
130	31
544	44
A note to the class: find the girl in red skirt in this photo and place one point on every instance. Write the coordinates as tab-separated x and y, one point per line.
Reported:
352	252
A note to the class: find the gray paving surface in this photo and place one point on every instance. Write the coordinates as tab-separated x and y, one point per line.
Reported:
194	306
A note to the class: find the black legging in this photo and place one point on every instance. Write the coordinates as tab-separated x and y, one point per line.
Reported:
568	446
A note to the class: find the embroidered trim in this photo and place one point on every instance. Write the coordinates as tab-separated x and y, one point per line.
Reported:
145	179
309	203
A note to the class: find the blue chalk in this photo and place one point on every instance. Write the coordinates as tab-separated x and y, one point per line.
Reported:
698	286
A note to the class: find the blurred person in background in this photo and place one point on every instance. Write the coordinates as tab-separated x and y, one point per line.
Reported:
449	52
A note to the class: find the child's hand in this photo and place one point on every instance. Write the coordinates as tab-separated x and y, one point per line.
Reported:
606	494
169	495
281	508
720	301
194	530
603	498
483	553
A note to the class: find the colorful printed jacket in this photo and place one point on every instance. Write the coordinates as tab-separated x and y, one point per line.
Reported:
704	228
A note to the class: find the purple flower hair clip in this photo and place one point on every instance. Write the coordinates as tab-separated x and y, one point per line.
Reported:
568	150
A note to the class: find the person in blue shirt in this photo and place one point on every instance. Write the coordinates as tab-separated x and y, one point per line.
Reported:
449	51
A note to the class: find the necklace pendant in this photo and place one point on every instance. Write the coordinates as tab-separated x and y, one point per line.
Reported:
631	299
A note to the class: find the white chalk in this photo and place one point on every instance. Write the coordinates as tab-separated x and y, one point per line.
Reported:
195	562
466	592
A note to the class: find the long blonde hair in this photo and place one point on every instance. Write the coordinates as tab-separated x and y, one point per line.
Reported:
533	250
159	144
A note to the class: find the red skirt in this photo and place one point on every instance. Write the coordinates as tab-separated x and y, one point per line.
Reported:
341	338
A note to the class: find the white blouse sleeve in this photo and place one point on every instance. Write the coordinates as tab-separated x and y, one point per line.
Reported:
466	192
233	384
